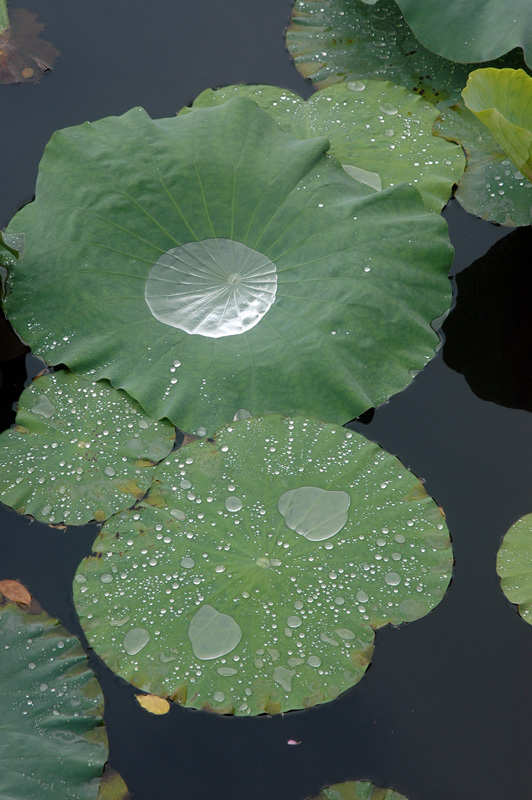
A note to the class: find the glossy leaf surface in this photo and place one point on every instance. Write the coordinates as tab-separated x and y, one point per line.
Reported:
252	576
53	744
79	451
374	127
514	565
471	30
223	204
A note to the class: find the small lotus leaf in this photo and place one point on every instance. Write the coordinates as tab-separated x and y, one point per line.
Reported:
53	744
284	285
502	100
358	790
375	128
24	56
78	451
471	30
348	40
514	565
212	592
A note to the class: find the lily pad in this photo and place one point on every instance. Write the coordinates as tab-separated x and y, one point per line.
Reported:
306	292
53	743
381	133
502	100
219	591
78	451
349	40
358	790
514	565
471	30
24	56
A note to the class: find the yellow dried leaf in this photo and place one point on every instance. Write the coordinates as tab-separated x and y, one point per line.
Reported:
153	703
15	591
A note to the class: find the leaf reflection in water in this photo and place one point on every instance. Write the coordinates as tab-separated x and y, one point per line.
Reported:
24	56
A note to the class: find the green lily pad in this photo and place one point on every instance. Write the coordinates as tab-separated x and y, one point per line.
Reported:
502	100
78	451
349	40
253	575
53	744
471	30
491	186
514	565
380	132
272	269
358	790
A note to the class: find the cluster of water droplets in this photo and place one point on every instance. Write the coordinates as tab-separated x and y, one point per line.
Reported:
79	451
256	588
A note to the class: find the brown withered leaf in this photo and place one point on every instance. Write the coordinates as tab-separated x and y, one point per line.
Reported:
16	592
24	56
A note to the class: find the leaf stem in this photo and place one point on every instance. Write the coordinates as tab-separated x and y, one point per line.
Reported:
4	18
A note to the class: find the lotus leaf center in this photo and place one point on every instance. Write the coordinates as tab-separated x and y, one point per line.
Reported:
214	288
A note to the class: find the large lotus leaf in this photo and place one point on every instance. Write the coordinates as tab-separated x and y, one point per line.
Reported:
381	133
491	186
215	262
502	100
358	790
514	565
53	744
255	578
471	30
349	40
79	451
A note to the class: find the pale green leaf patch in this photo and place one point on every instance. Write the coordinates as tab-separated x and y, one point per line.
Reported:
220	591
514	565
502	100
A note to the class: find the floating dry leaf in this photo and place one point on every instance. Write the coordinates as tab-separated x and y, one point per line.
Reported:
15	591
24	56
153	703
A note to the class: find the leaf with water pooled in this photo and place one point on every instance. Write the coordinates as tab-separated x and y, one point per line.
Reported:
78	451
53	744
471	30
216	262
380	132
219	590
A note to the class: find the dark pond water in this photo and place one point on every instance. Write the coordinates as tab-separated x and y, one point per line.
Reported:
445	710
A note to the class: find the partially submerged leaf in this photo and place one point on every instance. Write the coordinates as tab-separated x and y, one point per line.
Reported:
24	56
502	100
153	703
218	263
234	598
113	786
471	30
358	790
73	454
381	133
50	706
514	565
15	591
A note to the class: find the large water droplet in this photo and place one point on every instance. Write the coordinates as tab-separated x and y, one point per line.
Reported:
213	634
284	677
135	640
215	287
316	514
233	503
392	579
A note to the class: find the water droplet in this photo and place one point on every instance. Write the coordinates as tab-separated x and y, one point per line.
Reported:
233	503
284	677
314	661
226	671
362	597
316	514
135	640
392	579
187	562
213	634
356	86
294	621
219	697
106	577
110	471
